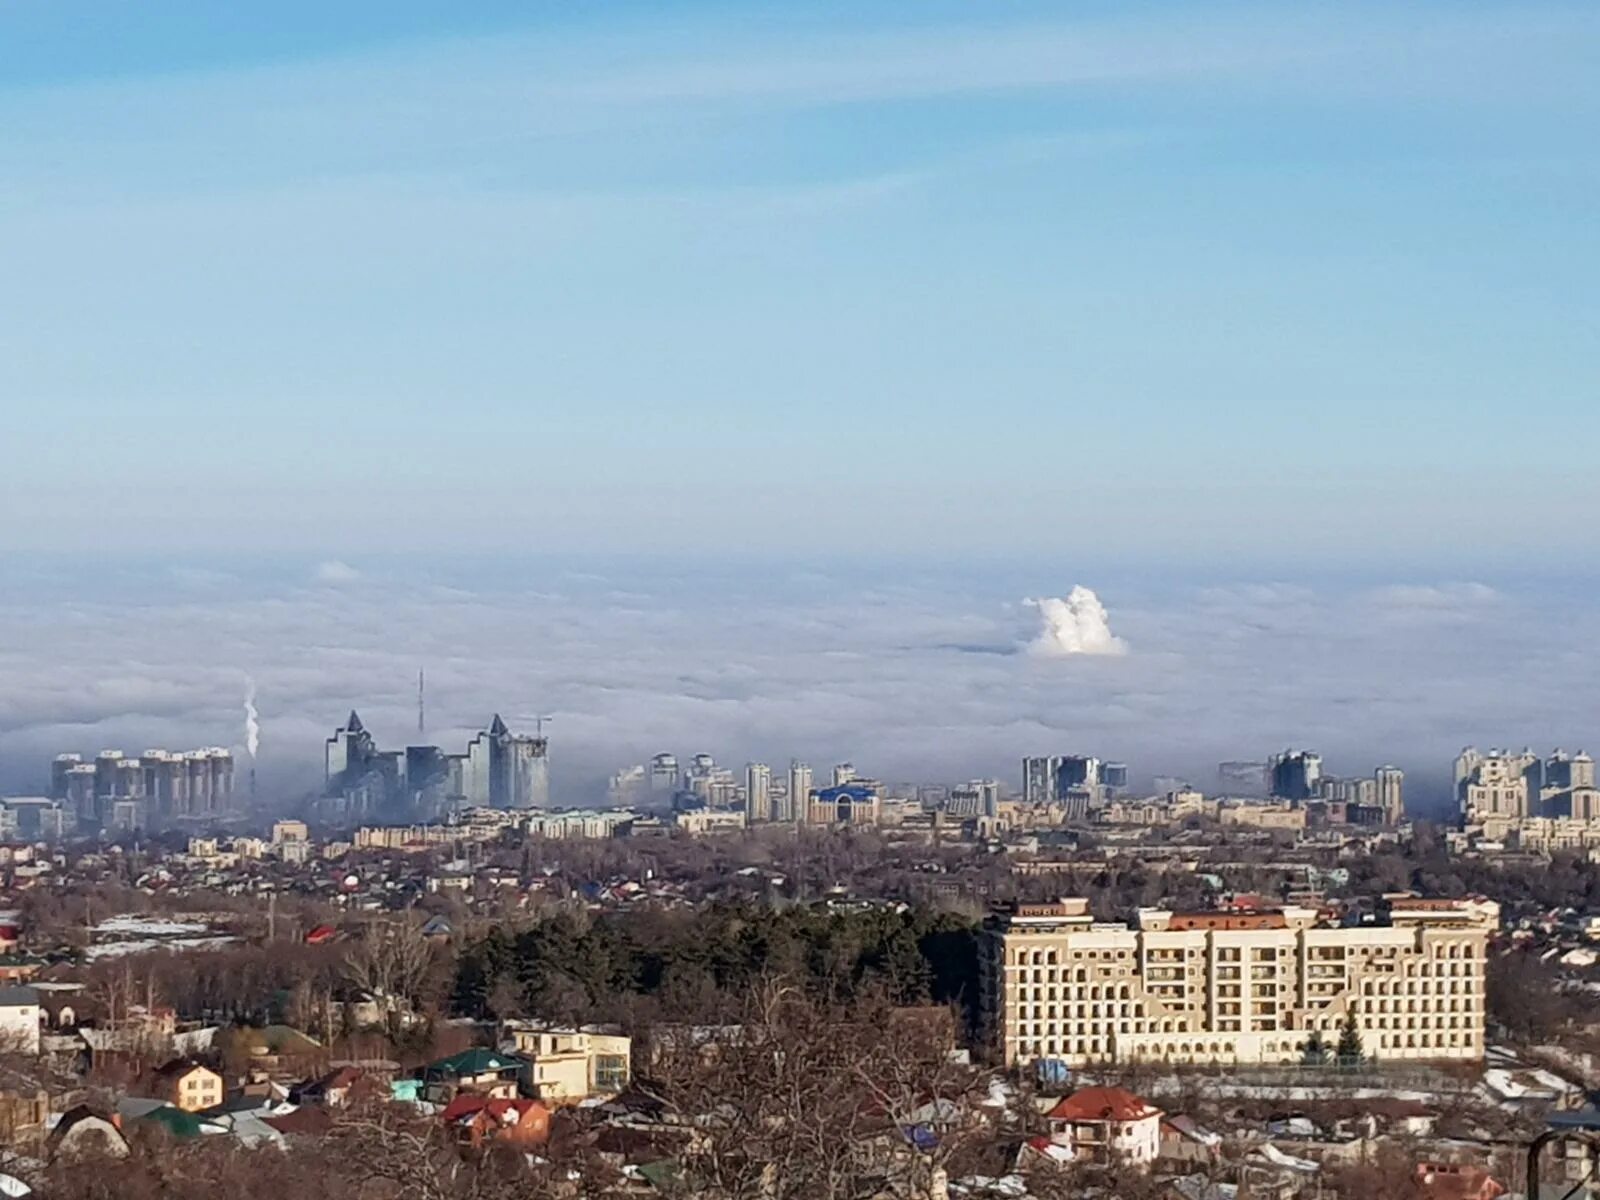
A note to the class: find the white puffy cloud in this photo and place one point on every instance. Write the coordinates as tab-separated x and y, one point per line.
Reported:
1076	624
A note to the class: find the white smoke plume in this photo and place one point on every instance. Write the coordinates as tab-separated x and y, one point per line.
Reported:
1078	624
252	720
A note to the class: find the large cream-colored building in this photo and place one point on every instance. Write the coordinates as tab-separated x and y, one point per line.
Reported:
567	1065
1235	987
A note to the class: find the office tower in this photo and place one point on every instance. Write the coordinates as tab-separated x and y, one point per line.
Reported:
977	798
664	776
346	754
1234	987
506	770
1079	773
1114	777
1390	783
1294	774
844	773
1564	772
80	792
1497	789
800	792
1040	777
105	773
757	793
60	770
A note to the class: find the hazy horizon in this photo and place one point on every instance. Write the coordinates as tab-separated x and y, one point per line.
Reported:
913	673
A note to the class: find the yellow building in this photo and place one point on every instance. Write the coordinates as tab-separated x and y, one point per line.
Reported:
1235	987
189	1086
567	1065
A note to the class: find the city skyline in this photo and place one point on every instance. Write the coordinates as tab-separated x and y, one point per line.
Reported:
921	675
914	677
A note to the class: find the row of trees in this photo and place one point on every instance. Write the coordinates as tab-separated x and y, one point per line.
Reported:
694	964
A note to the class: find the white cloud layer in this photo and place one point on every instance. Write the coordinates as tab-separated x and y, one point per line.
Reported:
909	675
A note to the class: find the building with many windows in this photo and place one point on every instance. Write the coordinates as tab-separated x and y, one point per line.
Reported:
499	769
156	787
1235	987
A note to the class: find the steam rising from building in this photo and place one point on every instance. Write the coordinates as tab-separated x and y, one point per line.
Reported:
252	721
1077	624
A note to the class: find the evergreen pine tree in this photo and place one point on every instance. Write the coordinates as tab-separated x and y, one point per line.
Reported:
1349	1050
1315	1051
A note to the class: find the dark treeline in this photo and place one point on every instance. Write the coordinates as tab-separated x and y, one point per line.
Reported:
698	965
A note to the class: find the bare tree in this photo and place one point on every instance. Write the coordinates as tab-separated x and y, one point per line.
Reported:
393	961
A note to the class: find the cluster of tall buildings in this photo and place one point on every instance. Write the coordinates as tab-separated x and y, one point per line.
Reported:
1298	777
760	794
1538	803
1076	783
115	790
498	769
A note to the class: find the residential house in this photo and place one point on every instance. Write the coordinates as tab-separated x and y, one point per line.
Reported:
19	1020
333	1089
478	1071
567	1065
19	968
189	1086
1184	1140
24	1106
1455	1181
1107	1125
84	1132
476	1119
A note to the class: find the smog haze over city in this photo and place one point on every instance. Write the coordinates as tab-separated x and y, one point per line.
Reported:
924	386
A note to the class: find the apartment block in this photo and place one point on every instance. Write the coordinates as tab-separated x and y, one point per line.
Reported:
1235	987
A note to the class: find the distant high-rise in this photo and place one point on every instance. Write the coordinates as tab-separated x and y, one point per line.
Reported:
506	770
1114	777
1070	777
347	752
664	775
800	792
1390	783
1294	774
1564	772
979	798
499	769
1040	777
157	786
844	773
757	793
1498	786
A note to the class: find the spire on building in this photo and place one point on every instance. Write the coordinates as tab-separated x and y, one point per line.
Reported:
497	727
353	724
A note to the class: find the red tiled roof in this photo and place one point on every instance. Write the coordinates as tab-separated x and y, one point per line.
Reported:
468	1104
1102	1104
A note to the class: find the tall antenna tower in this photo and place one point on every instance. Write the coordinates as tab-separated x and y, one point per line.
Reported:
422	712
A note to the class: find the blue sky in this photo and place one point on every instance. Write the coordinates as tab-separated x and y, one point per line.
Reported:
1101	282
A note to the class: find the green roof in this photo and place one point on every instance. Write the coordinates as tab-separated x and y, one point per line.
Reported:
662	1175
176	1122
477	1061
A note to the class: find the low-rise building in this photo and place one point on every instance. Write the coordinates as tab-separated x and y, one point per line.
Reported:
566	1065
19	1020
1107	1125
189	1086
